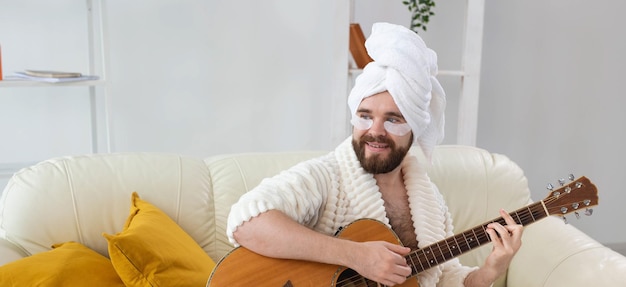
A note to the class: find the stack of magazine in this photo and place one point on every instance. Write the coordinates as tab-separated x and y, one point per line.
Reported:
52	76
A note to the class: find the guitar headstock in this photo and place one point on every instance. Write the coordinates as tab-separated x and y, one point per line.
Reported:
579	194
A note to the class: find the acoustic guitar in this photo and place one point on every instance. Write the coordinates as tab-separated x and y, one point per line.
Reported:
242	267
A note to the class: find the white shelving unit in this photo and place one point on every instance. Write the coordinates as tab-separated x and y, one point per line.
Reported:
469	73
99	108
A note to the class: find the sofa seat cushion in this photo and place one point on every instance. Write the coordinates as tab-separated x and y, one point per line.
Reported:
152	250
67	264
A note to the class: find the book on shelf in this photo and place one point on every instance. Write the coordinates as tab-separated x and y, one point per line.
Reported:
51	76
357	46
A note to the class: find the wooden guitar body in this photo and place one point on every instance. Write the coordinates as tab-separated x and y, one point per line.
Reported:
242	267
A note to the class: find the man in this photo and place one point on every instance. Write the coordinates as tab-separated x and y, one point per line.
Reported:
396	102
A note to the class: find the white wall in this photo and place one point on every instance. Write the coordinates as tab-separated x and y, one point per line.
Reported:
191	77
208	77
552	97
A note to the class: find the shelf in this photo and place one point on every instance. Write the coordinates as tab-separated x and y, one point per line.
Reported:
355	72
96	90
451	73
24	83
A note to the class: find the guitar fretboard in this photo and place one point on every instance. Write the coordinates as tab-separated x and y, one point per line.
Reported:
442	251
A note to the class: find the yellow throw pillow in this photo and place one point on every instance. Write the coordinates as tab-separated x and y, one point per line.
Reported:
68	264
153	250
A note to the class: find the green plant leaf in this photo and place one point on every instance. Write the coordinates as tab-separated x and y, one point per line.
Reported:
420	13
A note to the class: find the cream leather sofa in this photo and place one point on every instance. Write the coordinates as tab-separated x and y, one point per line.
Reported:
78	198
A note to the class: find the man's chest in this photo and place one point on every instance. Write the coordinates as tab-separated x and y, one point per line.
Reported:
399	214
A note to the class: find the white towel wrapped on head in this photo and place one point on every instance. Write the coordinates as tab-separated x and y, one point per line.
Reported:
405	67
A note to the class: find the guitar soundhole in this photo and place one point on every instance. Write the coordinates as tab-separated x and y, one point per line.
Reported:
350	278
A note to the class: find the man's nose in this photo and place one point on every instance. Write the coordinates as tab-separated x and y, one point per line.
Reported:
378	128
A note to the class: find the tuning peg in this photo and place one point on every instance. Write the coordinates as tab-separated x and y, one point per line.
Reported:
550	187
577	214
589	211
565	220
568	189
571	177
561	182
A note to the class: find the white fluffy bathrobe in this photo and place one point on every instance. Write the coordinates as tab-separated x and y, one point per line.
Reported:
332	191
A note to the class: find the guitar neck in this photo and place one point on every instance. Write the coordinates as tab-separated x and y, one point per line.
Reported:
444	250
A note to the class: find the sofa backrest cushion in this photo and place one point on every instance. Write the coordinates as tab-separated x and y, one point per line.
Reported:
233	175
78	198
476	184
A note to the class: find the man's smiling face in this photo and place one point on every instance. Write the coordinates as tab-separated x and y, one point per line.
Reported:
378	150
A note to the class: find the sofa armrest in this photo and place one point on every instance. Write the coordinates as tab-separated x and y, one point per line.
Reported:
556	254
10	252
593	267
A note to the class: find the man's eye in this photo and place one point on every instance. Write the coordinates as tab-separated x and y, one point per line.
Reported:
393	120
365	117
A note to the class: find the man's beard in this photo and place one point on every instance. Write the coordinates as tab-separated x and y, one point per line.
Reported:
374	164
